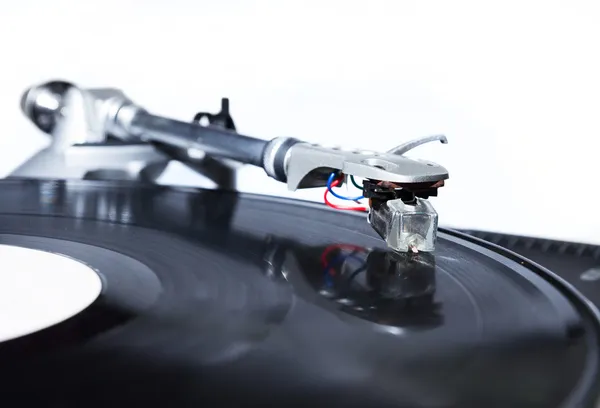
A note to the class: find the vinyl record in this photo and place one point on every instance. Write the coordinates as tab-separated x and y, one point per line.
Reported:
576	263
211	298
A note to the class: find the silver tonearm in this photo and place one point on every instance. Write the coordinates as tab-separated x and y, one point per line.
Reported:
101	133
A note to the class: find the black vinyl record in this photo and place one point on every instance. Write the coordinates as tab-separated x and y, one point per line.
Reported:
212	298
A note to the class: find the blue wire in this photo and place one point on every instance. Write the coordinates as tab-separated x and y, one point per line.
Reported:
330	180
338	259
341	257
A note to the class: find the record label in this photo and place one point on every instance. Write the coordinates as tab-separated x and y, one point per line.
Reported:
40	289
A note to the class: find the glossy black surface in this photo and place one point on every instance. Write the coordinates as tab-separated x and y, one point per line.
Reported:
576	263
213	298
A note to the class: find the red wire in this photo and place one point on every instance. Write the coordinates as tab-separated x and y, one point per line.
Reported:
338	246
341	207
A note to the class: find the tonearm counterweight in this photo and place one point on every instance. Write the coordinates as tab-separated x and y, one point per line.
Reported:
101	133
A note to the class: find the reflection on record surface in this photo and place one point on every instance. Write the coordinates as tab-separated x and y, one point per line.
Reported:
377	285
216	297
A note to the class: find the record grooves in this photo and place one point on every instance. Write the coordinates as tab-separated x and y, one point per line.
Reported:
215	298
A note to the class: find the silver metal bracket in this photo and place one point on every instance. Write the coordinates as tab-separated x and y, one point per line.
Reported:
79	146
309	164
99	162
81	122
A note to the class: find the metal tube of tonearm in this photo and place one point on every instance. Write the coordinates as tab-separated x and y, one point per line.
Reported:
215	141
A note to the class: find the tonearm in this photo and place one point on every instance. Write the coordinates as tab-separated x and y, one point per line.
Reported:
101	133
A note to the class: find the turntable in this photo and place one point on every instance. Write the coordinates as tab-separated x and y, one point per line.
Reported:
214	297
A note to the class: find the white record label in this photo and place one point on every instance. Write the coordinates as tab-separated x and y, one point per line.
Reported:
39	289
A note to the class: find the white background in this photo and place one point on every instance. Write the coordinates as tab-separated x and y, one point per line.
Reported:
515	85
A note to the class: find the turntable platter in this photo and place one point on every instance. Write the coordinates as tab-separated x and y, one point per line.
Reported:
212	297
